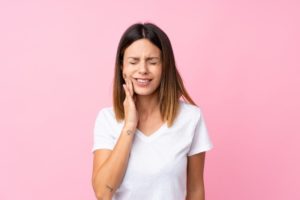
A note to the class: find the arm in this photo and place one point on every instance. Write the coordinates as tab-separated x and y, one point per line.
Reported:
109	166
195	182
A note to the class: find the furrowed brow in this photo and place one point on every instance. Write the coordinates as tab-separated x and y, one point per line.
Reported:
135	58
147	58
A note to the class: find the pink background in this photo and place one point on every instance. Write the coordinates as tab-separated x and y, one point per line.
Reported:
239	61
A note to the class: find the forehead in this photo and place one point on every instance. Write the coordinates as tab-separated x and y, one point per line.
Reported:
142	48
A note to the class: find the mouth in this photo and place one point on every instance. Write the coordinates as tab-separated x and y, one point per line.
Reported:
142	82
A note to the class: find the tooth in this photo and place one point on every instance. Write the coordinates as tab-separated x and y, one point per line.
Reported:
141	80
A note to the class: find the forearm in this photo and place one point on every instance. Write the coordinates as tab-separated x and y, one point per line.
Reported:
195	196
198	194
109	176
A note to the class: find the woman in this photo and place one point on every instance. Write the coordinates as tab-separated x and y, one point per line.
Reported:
150	145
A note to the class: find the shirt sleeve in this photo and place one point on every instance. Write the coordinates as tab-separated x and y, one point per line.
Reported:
103	132
201	139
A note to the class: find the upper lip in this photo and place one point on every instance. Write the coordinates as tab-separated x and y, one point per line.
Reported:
144	78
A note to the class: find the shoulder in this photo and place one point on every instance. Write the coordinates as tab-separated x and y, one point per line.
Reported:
106	112
190	110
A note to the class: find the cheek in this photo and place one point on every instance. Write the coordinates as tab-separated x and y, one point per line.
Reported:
158	72
126	74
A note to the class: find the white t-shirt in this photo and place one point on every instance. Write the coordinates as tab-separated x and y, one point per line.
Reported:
157	165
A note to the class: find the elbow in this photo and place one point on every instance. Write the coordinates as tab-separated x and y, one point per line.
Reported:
102	193
99	197
102	196
102	190
98	194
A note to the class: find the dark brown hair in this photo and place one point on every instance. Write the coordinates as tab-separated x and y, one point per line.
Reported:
171	86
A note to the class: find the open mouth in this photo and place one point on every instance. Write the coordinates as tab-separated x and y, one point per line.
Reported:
143	80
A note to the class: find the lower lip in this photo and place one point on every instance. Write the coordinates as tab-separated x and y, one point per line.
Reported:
142	84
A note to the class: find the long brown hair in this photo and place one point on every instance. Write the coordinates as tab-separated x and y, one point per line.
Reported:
171	86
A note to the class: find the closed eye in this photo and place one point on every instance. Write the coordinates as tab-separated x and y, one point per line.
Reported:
151	63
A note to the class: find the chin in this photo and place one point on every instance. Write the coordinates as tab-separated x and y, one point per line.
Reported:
144	93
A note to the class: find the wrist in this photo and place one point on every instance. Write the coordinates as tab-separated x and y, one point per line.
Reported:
129	129
130	126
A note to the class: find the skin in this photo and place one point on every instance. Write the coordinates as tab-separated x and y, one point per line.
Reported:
195	181
140	105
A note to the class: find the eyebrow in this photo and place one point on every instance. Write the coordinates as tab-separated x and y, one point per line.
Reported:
147	58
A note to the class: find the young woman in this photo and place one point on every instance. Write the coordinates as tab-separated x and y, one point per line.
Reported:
150	145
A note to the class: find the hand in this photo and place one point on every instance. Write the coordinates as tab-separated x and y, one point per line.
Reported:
131	114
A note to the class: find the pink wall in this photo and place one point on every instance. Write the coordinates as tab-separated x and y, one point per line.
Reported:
239	61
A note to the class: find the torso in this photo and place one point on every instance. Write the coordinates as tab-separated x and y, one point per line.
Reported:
157	164
151	125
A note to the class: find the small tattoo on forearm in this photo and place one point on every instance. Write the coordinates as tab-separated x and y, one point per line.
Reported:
110	188
129	132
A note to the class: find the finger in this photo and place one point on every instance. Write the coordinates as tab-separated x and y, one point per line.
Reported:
131	87
125	89
128	86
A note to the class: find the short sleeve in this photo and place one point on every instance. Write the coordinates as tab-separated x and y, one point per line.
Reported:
201	139
103	132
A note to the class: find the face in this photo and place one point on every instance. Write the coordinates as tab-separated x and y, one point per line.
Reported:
142	65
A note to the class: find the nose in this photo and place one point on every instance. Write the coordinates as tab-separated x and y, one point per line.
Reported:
143	68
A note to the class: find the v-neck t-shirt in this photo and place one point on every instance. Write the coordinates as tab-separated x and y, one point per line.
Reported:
157	165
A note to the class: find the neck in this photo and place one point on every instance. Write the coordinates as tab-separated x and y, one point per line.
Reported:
147	104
